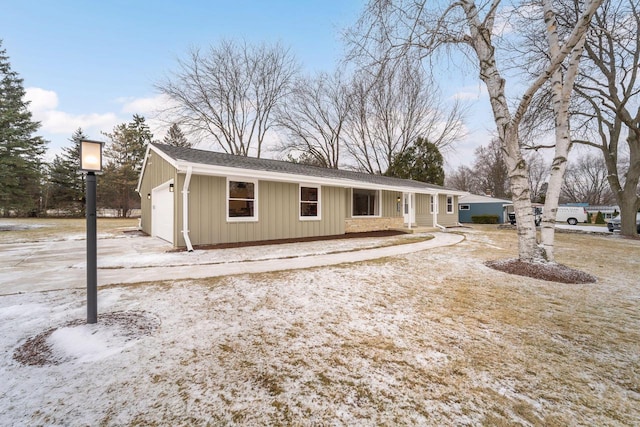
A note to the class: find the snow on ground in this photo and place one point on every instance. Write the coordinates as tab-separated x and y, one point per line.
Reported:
253	253
430	338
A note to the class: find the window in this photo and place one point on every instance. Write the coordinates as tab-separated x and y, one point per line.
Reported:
241	200
449	204
309	203
464	207
432	204
365	202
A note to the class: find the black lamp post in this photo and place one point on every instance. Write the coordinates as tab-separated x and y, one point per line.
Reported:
90	163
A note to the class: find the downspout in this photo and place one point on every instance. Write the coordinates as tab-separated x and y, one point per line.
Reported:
436	209
410	211
185	209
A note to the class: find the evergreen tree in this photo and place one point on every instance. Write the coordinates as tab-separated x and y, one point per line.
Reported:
420	162
125	154
66	186
175	137
20	151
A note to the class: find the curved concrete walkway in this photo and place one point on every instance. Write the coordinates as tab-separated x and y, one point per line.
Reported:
54	265
199	271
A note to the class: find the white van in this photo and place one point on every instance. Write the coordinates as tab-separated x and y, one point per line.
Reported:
571	214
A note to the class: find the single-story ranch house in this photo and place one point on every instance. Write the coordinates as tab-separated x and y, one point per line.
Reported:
196	197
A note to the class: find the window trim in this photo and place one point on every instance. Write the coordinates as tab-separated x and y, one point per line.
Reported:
447	210
464	207
433	203
253	218
379	204
300	201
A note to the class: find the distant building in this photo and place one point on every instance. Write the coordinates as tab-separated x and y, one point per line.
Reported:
472	205
607	211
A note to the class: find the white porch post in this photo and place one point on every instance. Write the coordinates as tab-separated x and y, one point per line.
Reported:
410	208
435	210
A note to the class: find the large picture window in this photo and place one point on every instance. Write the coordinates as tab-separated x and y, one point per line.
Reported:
366	202
309	202
242	200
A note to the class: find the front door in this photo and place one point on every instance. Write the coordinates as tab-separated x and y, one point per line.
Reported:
409	208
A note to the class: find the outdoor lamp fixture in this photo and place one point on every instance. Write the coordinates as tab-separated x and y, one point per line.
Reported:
398	199
90	164
171	188
149	196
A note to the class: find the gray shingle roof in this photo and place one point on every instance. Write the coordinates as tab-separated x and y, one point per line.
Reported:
213	158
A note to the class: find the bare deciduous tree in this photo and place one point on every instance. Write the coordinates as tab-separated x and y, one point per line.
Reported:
313	118
416	25
229	93
586	182
608	107
491	171
463	178
538	176
392	106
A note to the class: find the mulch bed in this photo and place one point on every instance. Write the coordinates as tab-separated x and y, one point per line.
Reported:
383	233
36	351
551	272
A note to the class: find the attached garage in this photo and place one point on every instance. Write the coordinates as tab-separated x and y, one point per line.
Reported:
162	209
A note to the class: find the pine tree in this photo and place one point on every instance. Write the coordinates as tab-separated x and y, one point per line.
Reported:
20	151
124	154
66	186
175	137
421	162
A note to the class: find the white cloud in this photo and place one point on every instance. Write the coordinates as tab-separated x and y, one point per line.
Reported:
44	108
146	106
59	122
153	108
472	93
41	99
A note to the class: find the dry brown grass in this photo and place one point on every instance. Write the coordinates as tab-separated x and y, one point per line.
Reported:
431	338
38	229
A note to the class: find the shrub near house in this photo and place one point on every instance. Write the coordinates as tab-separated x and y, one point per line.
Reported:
485	219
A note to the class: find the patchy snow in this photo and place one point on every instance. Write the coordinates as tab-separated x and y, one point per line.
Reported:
584	228
86	343
38	266
19	226
428	338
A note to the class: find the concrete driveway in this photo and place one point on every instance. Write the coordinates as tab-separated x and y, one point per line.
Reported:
61	264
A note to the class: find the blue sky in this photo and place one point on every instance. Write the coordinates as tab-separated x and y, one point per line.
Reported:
94	64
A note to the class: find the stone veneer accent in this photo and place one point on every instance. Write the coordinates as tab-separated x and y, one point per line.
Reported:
360	225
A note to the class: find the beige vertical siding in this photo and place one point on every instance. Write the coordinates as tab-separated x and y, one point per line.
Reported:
424	217
157	171
390	204
278	213
444	218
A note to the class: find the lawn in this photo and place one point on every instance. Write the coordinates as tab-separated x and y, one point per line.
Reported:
40	229
430	338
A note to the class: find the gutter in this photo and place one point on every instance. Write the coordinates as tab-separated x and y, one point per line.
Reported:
185	209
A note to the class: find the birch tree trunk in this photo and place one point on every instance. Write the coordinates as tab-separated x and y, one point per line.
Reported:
508	124
480	40
562	82
426	26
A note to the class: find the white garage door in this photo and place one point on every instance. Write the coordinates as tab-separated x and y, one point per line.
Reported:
162	212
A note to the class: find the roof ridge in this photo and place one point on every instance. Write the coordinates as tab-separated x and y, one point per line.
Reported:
209	157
